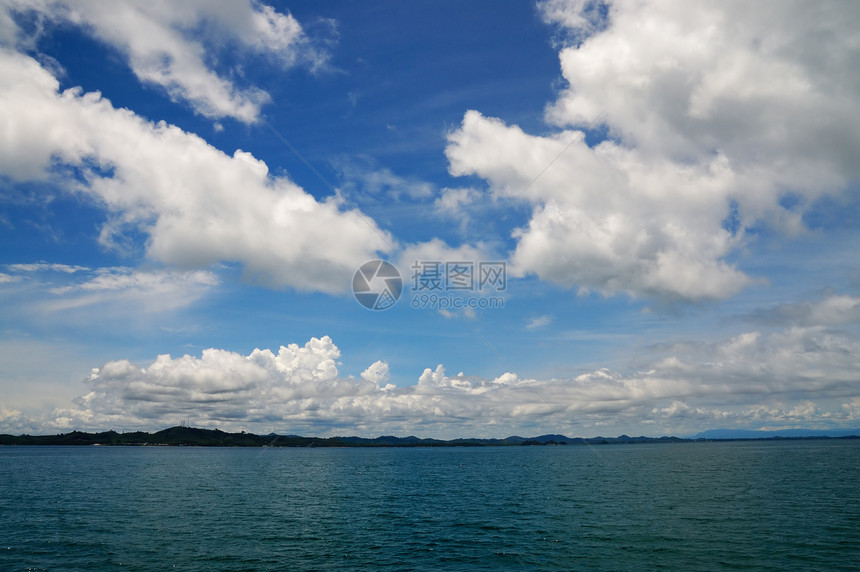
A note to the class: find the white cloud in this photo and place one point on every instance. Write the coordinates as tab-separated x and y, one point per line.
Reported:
715	111
378	373
145	290
579	15
113	279
438	250
761	86
360	177
467	312
67	294
797	376
456	204
197	205
539	322
591	226
157	39
45	266
831	310
451	202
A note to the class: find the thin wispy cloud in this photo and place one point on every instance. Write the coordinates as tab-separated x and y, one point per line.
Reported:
539	322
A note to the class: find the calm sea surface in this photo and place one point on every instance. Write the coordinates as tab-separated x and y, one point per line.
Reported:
695	506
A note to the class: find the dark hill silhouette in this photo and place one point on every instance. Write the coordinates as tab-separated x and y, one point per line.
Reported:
193	436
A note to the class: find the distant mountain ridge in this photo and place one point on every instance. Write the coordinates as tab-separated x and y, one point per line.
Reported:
192	436
780	433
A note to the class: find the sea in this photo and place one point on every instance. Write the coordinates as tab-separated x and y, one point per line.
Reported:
742	505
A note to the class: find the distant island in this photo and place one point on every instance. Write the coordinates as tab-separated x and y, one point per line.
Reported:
191	436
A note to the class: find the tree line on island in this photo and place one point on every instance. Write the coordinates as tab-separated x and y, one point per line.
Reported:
192	436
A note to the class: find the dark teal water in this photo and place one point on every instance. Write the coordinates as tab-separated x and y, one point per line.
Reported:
697	506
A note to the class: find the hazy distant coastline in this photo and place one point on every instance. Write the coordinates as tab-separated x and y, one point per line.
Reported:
191	436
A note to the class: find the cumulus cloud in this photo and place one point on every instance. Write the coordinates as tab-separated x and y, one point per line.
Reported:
378	373
197	205
591	227
762	87
156	38
221	387
715	114
798	375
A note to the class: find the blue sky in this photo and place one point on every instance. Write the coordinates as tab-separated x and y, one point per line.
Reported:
187	190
